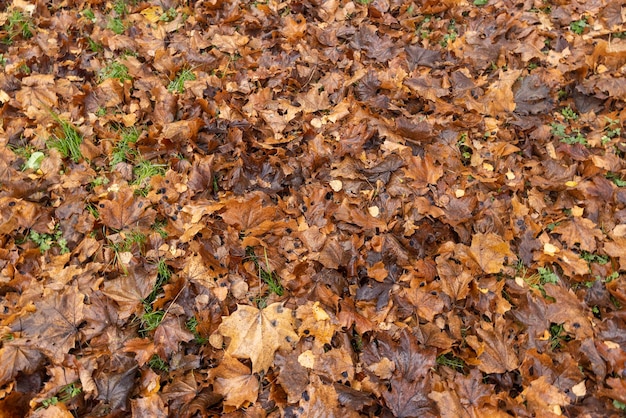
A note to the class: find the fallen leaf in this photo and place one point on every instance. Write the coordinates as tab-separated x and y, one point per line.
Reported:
124	210
495	352
235	383
491	252
257	334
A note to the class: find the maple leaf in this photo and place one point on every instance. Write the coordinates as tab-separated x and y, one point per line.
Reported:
114	387
293	377
315	322
198	270
455	279
131	289
125	210
408	399
532	96
424	171
320	400
579	230
491	252
229	43
37	95
495	353
467	395
257	334
417	55
542	396
18	356
568	310
426	300
149	406
313	100
246	214
54	327
170	333
235	383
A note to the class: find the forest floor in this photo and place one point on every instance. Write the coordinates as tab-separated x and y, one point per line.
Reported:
315	208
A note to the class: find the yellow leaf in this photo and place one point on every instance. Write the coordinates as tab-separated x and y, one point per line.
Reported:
257	334
490	251
153	13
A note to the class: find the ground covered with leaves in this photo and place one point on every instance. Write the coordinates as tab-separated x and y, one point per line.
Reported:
313	208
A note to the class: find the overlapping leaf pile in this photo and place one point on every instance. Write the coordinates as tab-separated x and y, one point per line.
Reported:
313	208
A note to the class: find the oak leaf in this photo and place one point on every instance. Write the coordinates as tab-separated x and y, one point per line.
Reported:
257	334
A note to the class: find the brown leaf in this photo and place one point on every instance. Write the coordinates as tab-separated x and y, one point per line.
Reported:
53	329
579	230
542	396
126	211
426	300
424	171
455	279
617	389
229	44
247	214
18	356
257	334
131	289
314	100
495	353
333	255
568	310
38	94
202	272
235	383
293	377
417	55
149	407
114	387
182	130
315	323
170	334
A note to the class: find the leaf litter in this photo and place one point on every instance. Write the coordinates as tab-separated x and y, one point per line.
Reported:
362	208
